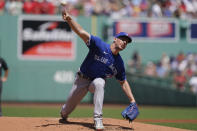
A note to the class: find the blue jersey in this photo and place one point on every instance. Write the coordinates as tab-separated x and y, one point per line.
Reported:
100	62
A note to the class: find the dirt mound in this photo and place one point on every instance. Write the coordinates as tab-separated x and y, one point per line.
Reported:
75	124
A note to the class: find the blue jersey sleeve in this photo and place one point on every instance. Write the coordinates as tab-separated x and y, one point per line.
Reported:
121	75
94	42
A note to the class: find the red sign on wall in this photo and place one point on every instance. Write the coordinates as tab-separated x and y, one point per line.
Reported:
45	38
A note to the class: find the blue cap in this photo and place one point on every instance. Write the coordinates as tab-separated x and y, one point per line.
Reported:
124	34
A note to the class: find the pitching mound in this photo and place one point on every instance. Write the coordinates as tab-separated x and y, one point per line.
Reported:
75	124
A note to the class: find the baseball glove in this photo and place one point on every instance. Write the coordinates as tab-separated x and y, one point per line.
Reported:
131	112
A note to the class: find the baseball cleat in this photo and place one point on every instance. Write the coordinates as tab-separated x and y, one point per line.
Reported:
98	124
63	119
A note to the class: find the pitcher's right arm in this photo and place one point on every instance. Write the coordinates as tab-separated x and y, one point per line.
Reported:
84	35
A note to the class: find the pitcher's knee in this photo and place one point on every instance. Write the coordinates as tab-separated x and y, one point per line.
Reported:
97	84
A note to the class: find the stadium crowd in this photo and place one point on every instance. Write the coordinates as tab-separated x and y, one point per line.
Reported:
114	8
182	68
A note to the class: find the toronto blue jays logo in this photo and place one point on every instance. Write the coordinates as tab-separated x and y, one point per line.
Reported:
112	67
101	59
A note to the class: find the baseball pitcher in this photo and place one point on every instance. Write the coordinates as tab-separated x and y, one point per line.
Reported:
102	61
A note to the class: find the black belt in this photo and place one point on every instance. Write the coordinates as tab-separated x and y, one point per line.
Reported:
84	76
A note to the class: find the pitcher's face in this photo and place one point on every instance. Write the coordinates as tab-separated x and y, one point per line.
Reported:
121	42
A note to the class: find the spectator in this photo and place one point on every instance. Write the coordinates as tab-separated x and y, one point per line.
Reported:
183	65
144	6
180	80
47	7
19	7
180	57
189	8
15	7
36	7
177	13
189	71
88	8
135	62
76	9
28	7
161	71
7	6
115	8
173	64
156	9
56	4
165	61
194	3
167	12
136	7
193	84
2	6
150	69
182	7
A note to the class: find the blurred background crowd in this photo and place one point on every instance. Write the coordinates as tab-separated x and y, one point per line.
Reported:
182	69
114	8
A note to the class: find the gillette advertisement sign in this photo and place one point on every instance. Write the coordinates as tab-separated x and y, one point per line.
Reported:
149	30
45	38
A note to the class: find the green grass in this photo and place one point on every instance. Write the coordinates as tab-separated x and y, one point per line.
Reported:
30	111
189	126
168	113
160	113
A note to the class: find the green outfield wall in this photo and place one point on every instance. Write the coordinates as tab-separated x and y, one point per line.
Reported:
148	92
37	80
51	80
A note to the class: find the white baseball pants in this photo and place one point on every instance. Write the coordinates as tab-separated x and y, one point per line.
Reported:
80	88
